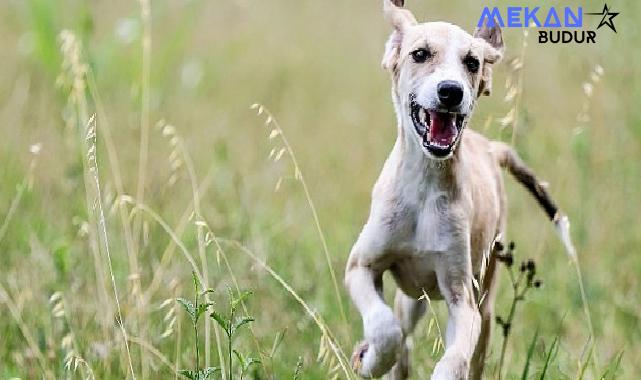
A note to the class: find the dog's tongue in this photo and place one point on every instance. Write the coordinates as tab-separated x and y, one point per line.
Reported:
442	128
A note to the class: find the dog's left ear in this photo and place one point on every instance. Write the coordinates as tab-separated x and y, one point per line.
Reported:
493	48
401	19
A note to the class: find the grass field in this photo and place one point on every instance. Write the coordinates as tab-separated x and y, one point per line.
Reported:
182	175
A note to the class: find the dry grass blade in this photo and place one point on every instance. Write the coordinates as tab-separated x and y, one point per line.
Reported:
438	342
172	235
92	163
271	122
145	16
145	84
148	347
343	362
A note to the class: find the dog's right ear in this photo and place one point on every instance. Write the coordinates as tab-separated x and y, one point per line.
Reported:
392	51
493	36
401	19
493	52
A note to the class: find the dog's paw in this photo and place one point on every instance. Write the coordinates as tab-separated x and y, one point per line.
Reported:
369	362
451	367
358	356
378	353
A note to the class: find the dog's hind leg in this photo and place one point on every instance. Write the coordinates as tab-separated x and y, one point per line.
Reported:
408	311
486	308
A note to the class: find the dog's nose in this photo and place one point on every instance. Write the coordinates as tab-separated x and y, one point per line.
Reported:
450	93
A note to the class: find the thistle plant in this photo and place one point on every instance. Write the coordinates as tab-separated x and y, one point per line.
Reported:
230	324
195	310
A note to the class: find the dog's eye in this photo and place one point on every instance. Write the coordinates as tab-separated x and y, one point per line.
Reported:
471	63
421	55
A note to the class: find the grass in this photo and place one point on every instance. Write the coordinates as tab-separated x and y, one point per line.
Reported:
182	177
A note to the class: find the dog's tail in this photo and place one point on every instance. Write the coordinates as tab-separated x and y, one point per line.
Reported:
508	159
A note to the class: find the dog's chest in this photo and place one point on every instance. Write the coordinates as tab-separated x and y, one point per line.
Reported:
429	223
430	233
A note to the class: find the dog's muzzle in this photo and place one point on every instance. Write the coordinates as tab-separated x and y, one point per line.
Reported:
439	130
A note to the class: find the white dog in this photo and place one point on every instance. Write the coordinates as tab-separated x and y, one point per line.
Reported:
439	205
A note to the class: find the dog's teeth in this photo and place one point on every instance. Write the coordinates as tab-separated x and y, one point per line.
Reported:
422	115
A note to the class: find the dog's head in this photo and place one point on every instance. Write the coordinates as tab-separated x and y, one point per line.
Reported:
438	70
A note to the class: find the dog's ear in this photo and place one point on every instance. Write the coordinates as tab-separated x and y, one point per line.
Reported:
493	48
392	51
492	35
401	19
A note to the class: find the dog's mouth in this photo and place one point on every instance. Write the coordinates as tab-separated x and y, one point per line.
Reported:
439	130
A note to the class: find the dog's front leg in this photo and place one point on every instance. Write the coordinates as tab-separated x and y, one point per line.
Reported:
376	355
464	322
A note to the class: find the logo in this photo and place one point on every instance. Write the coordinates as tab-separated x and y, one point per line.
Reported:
607	18
555	24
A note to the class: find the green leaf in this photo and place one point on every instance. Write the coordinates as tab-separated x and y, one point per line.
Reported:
548	357
251	361
240	323
221	320
613	367
205	373
189	307
196	282
277	341
240	358
241	298
530	352
61	258
584	366
201	309
192	375
207	291
244	362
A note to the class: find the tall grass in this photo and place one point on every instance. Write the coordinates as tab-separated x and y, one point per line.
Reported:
100	217
102	235
276	154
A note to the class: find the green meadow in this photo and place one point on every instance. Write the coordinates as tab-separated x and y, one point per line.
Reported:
143	141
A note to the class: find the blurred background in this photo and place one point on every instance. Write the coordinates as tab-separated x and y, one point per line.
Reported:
172	88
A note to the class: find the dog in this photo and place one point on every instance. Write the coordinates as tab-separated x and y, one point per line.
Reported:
438	209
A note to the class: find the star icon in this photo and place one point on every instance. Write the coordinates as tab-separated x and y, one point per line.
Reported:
607	18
